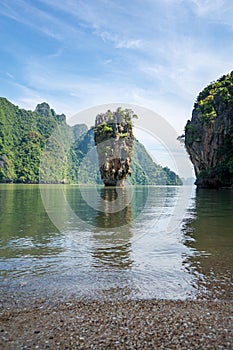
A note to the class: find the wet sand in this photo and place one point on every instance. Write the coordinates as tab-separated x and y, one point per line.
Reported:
125	324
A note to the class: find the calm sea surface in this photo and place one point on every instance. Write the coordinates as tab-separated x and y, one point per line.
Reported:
61	241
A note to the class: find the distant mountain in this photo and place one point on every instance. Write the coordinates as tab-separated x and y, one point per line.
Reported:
40	146
146	171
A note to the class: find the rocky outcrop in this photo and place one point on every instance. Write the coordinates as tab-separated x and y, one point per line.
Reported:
44	110
113	134
209	135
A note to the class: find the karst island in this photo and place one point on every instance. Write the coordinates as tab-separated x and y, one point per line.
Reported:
113	134
209	134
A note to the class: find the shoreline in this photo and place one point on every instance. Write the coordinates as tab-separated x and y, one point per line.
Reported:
120	324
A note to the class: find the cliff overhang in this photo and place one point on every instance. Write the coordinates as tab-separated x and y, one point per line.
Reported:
209	135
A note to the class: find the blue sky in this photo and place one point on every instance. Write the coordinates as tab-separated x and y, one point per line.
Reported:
76	54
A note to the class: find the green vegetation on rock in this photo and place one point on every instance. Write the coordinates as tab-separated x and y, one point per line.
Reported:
216	93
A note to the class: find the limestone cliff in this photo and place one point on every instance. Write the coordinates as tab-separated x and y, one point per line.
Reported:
113	134
209	134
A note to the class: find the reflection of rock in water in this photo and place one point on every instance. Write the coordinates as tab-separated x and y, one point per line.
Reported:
114	138
209	234
112	236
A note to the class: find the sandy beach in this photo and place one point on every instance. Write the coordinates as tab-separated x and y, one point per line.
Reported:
125	324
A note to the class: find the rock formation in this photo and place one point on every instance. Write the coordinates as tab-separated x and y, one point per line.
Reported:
209	135
113	134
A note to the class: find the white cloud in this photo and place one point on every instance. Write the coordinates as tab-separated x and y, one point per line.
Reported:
166	61
11	76
188	69
120	43
207	7
219	10
107	62
69	93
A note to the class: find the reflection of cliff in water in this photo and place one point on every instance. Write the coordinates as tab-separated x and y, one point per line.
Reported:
112	235
209	233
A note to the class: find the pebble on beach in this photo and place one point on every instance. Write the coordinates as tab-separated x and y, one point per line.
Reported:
132	324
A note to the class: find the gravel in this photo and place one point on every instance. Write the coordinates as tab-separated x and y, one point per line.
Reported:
125	324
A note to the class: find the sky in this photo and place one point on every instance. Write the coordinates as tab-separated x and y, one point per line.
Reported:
76	54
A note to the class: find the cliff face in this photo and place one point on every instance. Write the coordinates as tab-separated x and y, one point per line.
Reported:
114	139
209	134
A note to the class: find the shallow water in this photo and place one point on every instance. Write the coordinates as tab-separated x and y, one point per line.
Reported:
138	242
